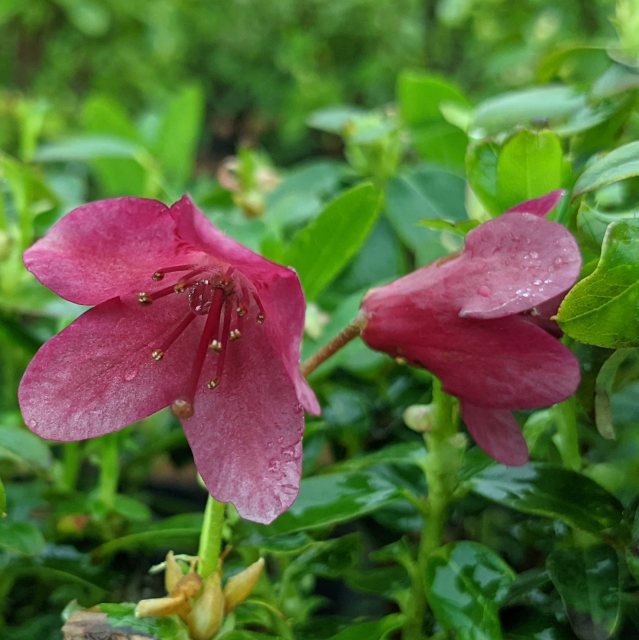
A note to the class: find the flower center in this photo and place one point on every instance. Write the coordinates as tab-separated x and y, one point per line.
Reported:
226	298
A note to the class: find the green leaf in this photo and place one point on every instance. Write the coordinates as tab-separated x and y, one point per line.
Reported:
620	164
548	105
602	308
334	119
323	248
88	147
23	447
530	164
153	539
21	537
552	492
337	497
465	584
481	168
378	629
592	222
419	194
179	133
3	500
122	616
603	391
588	581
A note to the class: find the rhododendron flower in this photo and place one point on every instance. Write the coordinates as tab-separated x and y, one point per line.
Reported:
184	317
476	320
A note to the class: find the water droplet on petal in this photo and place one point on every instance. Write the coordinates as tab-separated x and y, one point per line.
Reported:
537	282
269	443
299	408
484	291
280	439
273	465
130	374
558	261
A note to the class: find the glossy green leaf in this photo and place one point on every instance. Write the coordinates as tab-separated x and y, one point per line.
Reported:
20	537
178	134
178	537
530	164
588	581
620	164
337	497
466	583
3	500
24	448
602	309
593	222
481	169
323	248
547	105
552	492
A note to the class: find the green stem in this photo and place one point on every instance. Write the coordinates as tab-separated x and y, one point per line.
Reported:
441	469
70	466
211	537
567	439
109	470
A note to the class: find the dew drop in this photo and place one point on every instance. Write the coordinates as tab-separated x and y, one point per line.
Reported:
299	408
273	465
269	443
558	261
484	291
130	374
538	282
280	439
288	452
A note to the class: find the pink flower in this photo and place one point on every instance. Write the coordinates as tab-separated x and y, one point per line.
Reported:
475	321
184	317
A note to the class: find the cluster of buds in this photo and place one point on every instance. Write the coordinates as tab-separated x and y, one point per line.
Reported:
201	603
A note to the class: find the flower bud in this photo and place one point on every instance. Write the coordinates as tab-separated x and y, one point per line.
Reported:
207	613
172	573
419	418
239	587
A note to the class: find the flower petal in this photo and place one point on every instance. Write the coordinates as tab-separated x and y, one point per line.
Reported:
98	376
514	262
496	431
246	434
279	289
539	206
104	249
505	363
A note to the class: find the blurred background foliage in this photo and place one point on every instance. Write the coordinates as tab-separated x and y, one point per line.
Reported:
271	114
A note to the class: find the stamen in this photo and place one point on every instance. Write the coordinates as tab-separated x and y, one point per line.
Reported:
211	328
158	354
261	316
215	345
241	310
144	298
182	408
215	382
160	273
235	334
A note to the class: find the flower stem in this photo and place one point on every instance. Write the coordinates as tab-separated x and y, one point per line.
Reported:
211	537
567	434
444	459
350	332
109	470
70	466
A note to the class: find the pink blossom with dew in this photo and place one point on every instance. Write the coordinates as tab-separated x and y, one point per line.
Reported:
183	316
479	321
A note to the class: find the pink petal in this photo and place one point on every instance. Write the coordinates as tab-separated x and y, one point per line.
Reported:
104	249
246	434
513	263
279	289
539	206
97	376
506	363
496	431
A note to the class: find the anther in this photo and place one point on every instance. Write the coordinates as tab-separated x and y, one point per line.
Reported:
158	275
260	318
215	345
179	287
144	298
182	408
235	334
241	310
212	384
157	354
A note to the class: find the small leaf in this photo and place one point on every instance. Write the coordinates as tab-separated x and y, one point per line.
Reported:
85	148
378	629
603	390
23	447
122	616
465	584
602	308
337	497
21	537
588	581
530	164
552	492
620	164
323	248
179	132
3	500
